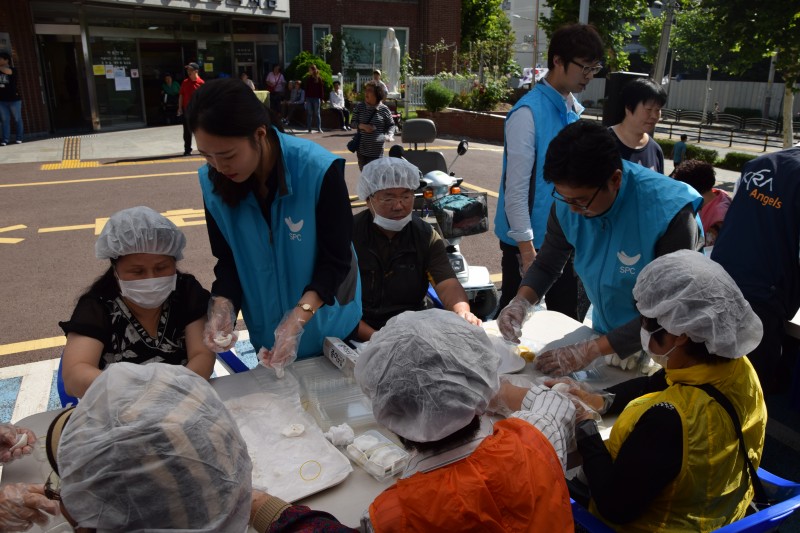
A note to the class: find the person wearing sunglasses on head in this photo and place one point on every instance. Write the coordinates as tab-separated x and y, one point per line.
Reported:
616	217
573	59
399	253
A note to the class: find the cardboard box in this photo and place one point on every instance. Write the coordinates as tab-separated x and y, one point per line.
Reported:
340	354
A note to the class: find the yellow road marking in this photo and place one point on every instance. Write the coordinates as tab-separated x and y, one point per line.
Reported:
31	346
11	240
475	188
92	180
66	228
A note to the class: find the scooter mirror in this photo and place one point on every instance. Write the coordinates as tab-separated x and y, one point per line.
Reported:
463	146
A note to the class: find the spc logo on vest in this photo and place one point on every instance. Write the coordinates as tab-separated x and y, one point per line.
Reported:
294	229
627	262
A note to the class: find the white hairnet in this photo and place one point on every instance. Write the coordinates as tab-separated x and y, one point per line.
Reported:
139	230
688	293
428	373
387	173
152	447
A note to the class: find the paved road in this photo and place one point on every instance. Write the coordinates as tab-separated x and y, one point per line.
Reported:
56	194
53	209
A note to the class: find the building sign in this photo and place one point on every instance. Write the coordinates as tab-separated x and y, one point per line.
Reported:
270	8
244	52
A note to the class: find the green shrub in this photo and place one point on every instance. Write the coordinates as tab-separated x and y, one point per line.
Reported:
436	96
692	151
704	154
298	69
734	161
463	100
667	145
485	97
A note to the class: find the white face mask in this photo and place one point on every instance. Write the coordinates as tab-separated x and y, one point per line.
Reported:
390	224
660	359
148	293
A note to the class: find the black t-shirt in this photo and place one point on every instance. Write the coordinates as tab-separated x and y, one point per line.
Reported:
650	155
105	317
8	87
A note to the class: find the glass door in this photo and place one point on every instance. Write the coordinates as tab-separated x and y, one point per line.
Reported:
117	78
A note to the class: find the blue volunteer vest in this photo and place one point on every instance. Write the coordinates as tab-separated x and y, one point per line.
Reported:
275	266
611	249
550	116
758	243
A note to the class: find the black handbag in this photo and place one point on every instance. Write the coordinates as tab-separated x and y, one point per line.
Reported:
353	143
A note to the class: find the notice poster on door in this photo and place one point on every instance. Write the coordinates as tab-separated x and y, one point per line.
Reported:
98	70
123	83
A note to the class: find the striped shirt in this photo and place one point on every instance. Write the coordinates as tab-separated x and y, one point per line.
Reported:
371	144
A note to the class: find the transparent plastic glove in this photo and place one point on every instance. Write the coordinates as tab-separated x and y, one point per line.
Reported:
22	505
218	335
562	361
511	318
596	400
287	339
15	442
628	363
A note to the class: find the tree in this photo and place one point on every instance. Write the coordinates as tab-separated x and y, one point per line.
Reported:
693	37
755	30
486	30
613	19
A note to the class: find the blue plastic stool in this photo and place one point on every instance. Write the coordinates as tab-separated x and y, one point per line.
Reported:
66	399
785	492
437	303
234	363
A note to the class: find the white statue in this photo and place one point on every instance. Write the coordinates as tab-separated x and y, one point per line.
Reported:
390	61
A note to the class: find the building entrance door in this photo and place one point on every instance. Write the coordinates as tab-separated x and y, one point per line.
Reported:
159	58
65	84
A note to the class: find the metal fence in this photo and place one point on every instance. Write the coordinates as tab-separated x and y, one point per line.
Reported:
416	84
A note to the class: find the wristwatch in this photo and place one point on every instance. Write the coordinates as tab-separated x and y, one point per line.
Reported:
308	308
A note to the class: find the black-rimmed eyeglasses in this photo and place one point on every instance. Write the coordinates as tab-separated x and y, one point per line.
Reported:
52	487
583	207
588	69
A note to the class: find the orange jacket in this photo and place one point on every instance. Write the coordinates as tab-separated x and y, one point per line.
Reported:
513	481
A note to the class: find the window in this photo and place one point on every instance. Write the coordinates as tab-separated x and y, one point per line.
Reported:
362	46
293	42
320	31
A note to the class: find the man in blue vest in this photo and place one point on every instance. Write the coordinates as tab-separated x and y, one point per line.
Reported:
573	59
759	246
615	217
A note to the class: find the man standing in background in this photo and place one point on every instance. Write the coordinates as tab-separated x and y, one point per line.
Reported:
525	198
188	87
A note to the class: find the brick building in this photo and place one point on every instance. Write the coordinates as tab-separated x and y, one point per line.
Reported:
99	64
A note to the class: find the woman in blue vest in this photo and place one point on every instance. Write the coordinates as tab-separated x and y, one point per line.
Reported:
284	257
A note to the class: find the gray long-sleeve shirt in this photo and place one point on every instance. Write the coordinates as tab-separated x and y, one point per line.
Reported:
682	233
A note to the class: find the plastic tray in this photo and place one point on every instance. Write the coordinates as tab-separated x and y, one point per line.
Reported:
331	397
366	457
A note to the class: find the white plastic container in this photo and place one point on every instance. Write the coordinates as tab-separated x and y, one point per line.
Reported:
378	455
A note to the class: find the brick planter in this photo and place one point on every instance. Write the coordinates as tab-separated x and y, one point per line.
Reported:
469	124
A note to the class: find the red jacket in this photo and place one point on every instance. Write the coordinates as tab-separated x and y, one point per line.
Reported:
188	87
513	481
